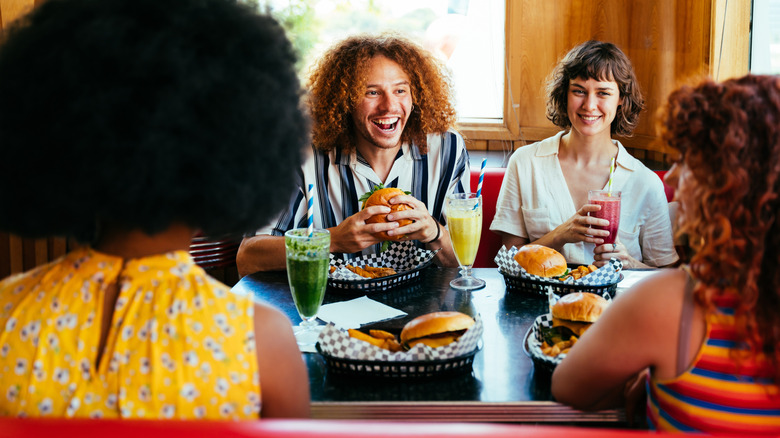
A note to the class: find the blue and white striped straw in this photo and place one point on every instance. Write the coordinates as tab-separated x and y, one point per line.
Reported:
310	209
481	177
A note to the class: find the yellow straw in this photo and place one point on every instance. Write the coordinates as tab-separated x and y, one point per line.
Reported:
611	173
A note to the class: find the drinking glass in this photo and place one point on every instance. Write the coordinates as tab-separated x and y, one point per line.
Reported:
308	257
610	210
464	223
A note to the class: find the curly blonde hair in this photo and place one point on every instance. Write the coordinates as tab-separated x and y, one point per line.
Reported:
728	136
336	87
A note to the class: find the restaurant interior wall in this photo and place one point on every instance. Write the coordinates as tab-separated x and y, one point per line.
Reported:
670	42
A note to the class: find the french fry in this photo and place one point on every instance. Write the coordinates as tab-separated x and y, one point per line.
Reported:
381	334
379	338
559	347
580	271
371	271
379	271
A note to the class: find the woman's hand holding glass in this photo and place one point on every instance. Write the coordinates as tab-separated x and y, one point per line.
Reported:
578	228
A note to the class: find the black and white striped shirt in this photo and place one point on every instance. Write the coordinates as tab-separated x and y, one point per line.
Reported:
341	179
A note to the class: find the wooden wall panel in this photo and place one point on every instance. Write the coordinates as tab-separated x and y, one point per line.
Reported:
10	10
670	42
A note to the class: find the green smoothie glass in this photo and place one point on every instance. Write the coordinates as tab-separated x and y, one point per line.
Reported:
308	258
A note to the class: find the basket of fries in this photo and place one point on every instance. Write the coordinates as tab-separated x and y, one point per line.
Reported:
579	278
544	356
399	265
349	356
550	337
351	368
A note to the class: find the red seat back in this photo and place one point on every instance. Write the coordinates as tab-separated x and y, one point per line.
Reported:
667	189
489	242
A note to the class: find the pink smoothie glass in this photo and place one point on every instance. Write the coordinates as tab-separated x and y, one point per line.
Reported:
610	210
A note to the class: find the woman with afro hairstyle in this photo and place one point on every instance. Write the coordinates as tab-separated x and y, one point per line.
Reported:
709	333
592	94
383	114
130	125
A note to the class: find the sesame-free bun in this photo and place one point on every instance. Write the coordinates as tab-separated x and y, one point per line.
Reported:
578	311
381	197
541	260
435	329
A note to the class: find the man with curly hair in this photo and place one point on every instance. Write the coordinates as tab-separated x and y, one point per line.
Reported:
383	114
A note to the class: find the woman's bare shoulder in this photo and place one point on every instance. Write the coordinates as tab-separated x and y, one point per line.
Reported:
654	303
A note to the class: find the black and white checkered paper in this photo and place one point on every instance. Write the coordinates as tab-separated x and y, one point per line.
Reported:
605	275
338	343
401	256
534	343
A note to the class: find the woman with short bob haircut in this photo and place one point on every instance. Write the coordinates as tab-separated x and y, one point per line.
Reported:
604	62
703	339
592	94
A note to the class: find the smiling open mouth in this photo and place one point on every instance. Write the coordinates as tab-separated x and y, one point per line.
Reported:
386	124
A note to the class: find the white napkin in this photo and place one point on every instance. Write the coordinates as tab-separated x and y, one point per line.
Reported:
357	312
630	278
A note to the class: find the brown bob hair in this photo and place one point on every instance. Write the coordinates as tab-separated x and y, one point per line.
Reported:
603	62
336	86
728	138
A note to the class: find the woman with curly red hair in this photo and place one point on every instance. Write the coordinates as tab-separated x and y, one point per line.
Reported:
708	333
383	115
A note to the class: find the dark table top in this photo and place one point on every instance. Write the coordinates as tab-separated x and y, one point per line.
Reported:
503	386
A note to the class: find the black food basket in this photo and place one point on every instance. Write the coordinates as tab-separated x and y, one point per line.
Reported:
539	287
382	284
353	368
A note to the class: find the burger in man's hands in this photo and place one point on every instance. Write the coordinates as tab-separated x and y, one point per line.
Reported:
381	195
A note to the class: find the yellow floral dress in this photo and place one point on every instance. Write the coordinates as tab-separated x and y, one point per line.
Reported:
181	344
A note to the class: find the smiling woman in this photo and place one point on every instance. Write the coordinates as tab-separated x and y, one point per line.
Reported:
592	94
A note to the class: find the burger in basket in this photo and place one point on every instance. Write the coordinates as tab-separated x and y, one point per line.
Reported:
541	261
572	315
380	195
435	330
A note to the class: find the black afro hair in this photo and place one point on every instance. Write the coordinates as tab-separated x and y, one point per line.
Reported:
142	113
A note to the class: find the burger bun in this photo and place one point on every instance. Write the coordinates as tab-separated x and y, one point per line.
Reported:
578	310
541	261
435	329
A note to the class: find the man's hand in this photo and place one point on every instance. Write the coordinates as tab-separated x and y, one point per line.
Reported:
354	234
423	227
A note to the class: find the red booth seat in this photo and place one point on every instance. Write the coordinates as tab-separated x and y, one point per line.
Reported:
490	242
34	428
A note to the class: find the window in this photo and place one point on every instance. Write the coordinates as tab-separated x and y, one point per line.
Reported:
765	38
467	34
